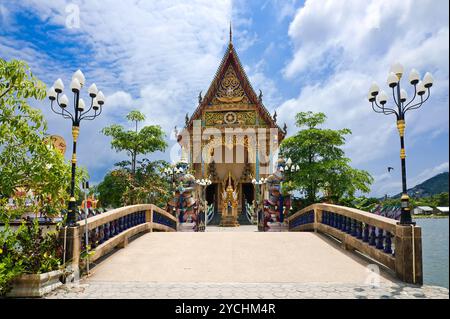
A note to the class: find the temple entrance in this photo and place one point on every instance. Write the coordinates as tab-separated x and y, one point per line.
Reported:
247	194
211	195
211	198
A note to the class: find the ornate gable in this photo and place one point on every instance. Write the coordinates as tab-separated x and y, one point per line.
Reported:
231	90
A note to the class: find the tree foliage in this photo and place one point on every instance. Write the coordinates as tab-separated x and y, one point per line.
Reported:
136	142
324	169
27	163
437	200
121	187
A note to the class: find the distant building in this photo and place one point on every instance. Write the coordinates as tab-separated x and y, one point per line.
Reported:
423	210
442	210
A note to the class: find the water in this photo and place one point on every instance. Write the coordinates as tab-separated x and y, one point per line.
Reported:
435	237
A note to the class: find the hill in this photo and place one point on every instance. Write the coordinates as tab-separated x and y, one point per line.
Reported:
433	186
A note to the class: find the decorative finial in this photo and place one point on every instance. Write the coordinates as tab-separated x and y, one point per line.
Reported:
231	34
285	128
186	119
275	116
200	98
260	96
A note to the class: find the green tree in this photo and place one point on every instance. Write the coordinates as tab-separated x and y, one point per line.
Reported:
324	169
27	162
149	139
113	187
121	187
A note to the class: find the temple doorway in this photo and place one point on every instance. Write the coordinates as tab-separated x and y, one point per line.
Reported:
211	195
247	194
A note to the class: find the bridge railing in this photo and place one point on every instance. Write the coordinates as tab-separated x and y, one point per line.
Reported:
113	229
395	246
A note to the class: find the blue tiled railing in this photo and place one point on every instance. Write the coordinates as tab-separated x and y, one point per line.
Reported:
369	234
110	229
303	219
162	219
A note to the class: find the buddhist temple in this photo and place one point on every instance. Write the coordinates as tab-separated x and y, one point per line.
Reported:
230	138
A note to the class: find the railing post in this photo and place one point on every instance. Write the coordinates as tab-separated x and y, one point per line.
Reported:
150	212
408	254
317	217
73	250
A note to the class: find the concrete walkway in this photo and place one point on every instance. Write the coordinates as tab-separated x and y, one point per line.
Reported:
238	263
234	256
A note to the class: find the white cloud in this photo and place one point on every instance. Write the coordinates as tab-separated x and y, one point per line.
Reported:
340	47
151	56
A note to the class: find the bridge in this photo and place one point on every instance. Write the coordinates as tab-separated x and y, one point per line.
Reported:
328	251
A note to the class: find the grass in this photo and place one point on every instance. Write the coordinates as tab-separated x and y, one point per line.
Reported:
429	216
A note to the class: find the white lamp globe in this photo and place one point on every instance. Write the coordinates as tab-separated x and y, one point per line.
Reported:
63	101
75	85
428	80
414	77
79	76
374	89
51	93
100	98
58	85
392	80
93	90
81	105
382	98
421	89
403	95
95	105
397	69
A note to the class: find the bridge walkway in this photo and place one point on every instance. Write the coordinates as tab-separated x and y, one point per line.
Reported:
234	255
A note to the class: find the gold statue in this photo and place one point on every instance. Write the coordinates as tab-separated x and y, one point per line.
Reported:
230	201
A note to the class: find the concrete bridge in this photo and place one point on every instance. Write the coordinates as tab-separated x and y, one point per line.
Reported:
329	252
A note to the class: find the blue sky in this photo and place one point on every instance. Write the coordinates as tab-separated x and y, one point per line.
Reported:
315	55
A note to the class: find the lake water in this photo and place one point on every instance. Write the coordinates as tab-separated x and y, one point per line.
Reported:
435	237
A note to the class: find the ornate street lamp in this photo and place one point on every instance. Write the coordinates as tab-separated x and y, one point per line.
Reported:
172	173
203	183
286	168
259	182
79	113
259	188
401	106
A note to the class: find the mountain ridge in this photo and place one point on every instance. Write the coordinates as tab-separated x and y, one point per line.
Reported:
432	186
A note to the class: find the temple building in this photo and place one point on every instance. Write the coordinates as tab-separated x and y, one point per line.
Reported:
230	137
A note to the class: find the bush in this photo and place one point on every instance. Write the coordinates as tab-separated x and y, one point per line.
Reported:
27	251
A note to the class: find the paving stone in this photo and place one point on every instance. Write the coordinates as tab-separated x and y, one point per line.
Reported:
134	290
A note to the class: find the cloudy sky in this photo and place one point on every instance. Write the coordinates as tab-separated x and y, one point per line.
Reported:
315	55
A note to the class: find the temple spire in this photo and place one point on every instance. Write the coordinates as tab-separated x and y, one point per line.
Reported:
231	34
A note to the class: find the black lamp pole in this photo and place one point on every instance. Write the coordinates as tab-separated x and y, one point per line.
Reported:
79	114
401	106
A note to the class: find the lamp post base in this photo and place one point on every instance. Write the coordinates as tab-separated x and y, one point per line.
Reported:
405	217
71	220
